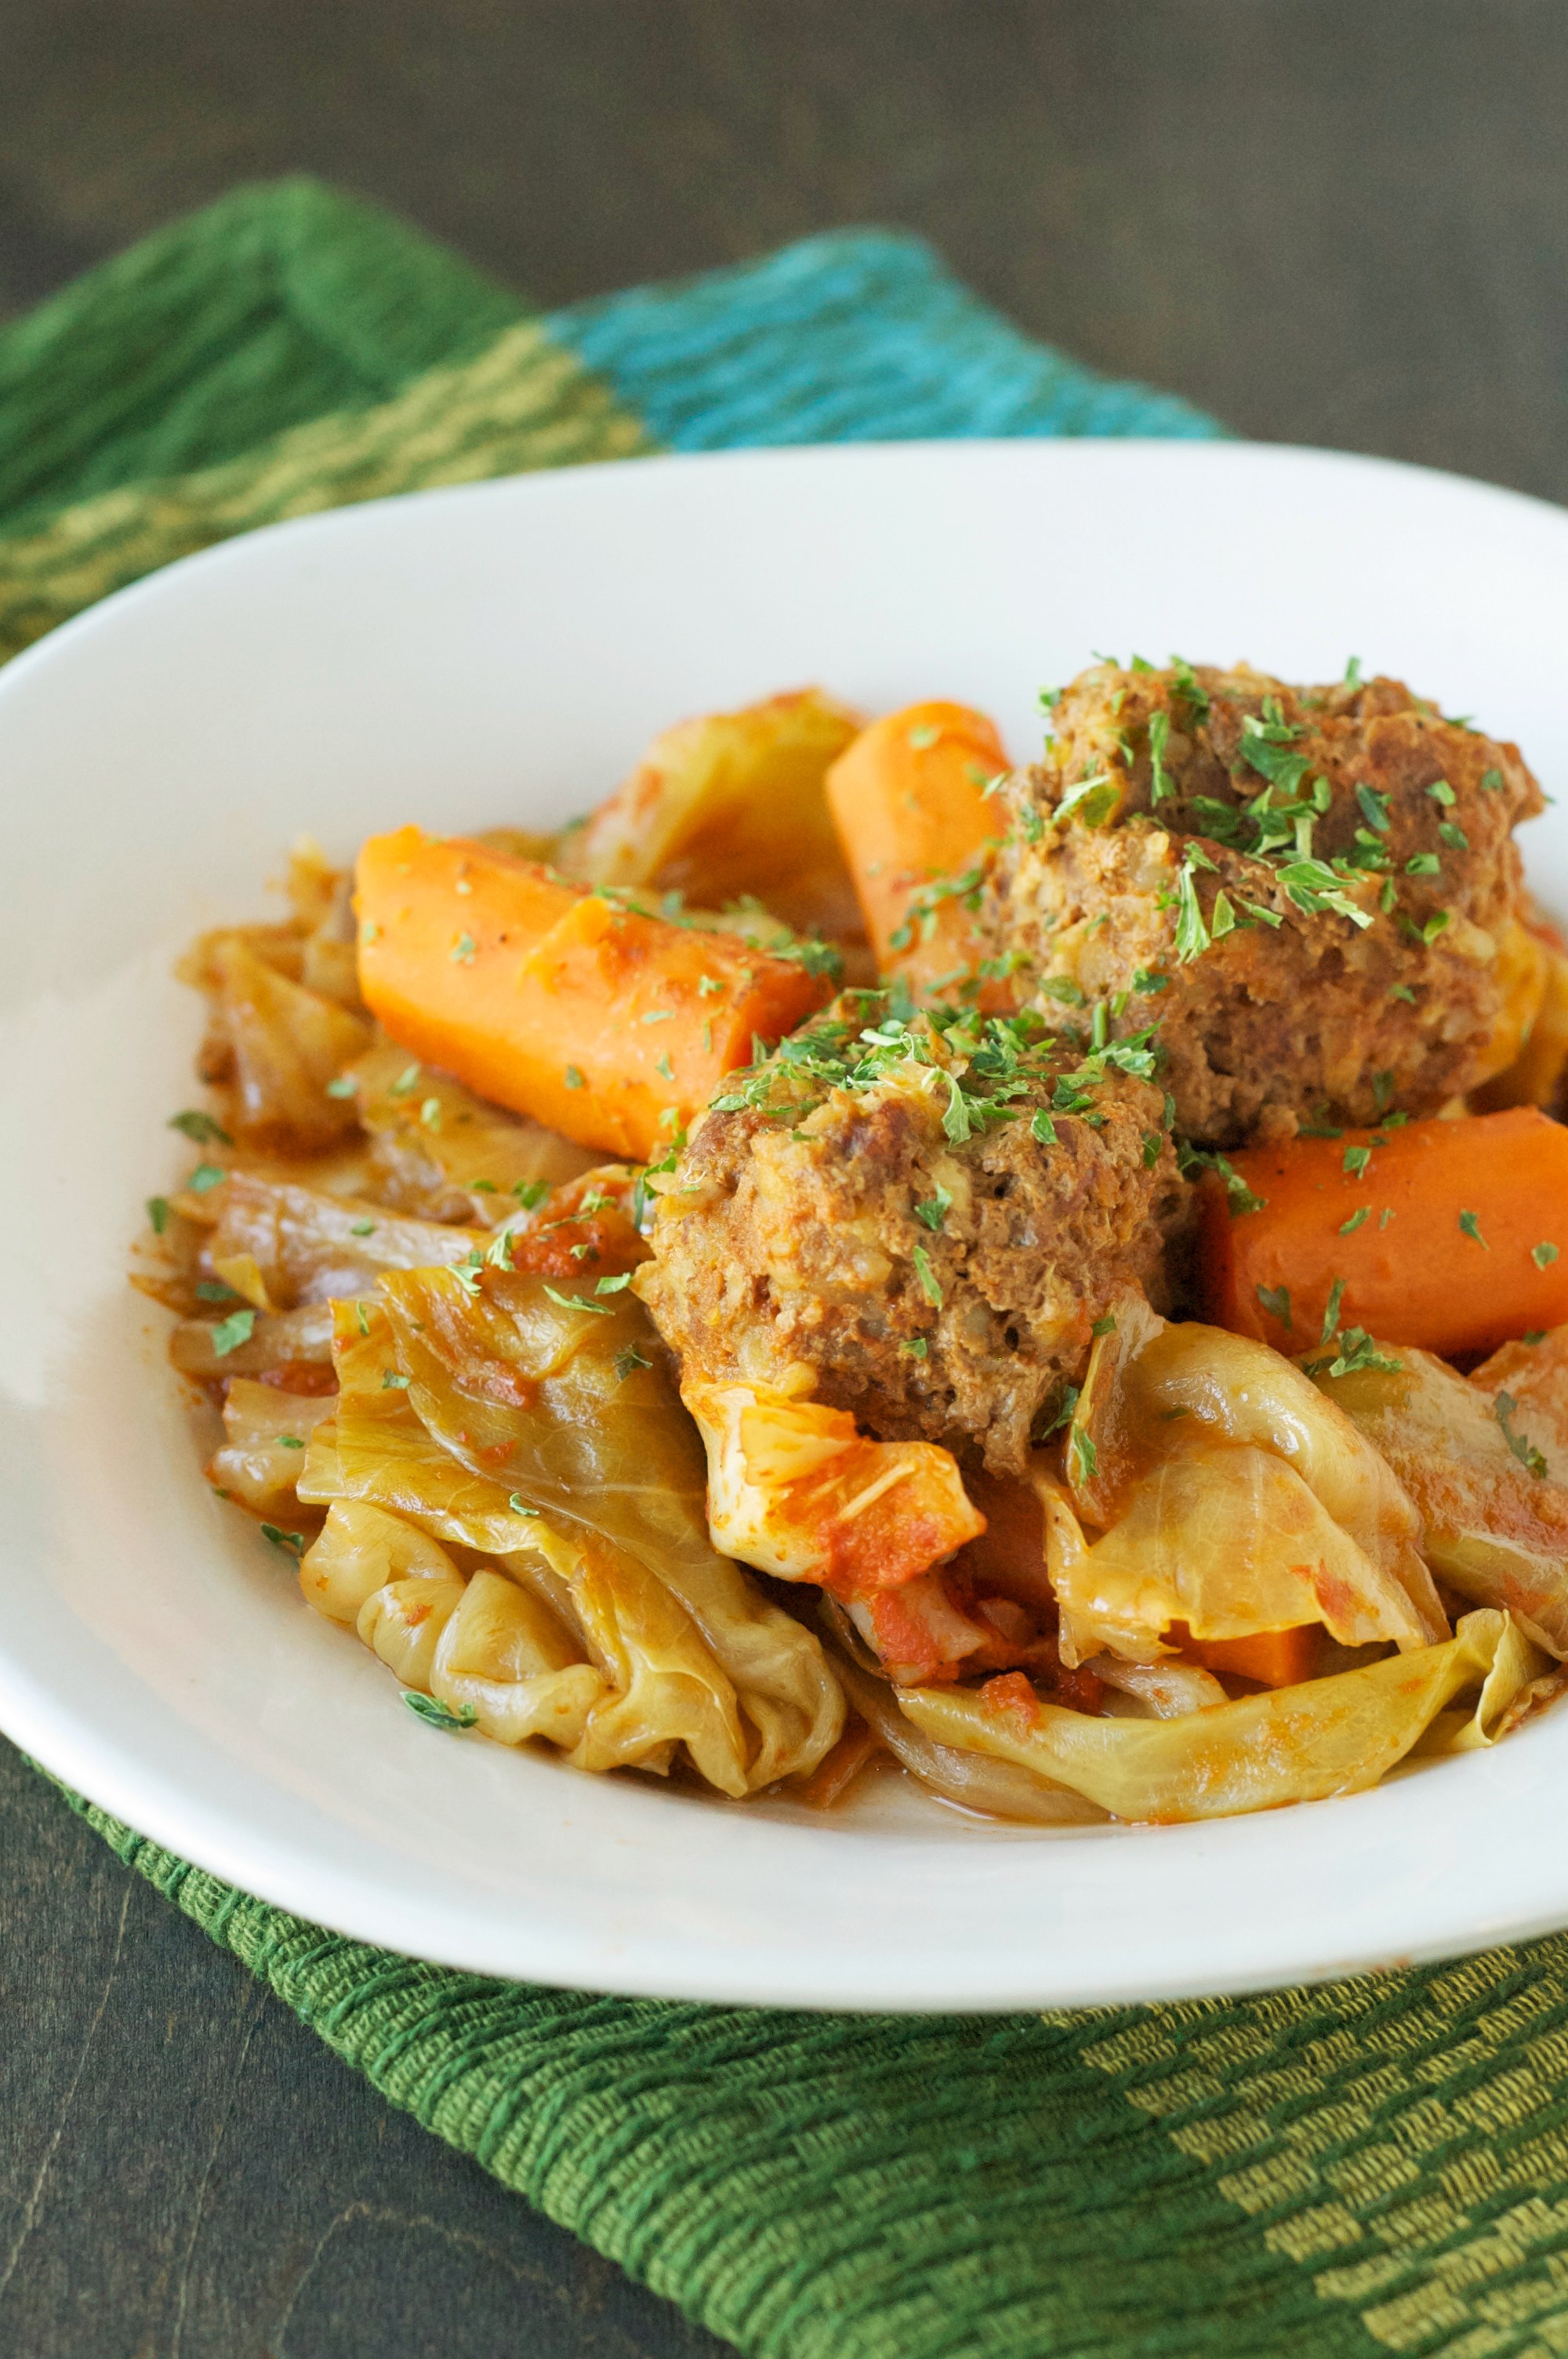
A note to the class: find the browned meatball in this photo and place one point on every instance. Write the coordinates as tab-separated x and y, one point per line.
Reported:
1313	892
922	1220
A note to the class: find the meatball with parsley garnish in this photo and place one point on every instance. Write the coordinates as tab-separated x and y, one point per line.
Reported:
1313	893
917	1218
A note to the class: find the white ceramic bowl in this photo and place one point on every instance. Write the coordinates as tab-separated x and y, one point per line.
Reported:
502	654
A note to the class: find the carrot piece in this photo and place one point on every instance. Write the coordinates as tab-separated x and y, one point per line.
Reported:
1446	1235
613	1027
908	801
1275	1659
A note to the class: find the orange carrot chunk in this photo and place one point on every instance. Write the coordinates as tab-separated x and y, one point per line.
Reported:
613	1027
1275	1659
908	799
1451	1236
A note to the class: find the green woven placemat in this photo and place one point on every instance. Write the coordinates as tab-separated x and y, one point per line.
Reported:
1378	2165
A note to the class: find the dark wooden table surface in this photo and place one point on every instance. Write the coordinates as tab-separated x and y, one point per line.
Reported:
1328	220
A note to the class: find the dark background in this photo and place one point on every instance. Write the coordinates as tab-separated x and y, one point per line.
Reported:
1341	222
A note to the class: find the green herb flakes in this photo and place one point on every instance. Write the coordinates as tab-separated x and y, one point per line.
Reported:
291	1543
1357	1220
344	1086
1276	1302
1523	1449
1543	1256
199	1127
436	1715
1356	1161
157	1214
205	1176
1470	1224
231	1333
929	1286
574	1080
577	1302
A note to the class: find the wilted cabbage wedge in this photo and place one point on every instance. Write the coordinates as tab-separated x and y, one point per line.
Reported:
439	1150
732	804
514	1410
1229	1540
794	1489
1495	1523
1293	1744
1154	1389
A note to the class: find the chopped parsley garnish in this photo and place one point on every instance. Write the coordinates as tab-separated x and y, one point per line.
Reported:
1470	1224
1358	1218
431	1113
362	1228
1523	1449
924	735
1356	1161
519	1505
917	1349
1403	991
1423	863
629	1360
288	1442
1193	936
292	1543
1189	687
577	1302
1353	672
1331	1312
1276	1302
205	1176
573	1078
929	1286
614	1285
1082	1455
1442	792
1543	1256
1065	1408
1105	1326
213	1289
1152	1141
436	1715
1060	988
1160	784
531	1193
344	1086
1146	980
1493	781
199	1127
1093	801
934	1211
406	1081
231	1333
392	1382
1373	808
157	1214
1455	837
1043	1129
462	949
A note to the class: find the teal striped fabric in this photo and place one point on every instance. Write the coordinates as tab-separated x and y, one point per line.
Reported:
859	336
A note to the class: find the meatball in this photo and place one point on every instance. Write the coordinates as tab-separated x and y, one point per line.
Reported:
1315	893
918	1221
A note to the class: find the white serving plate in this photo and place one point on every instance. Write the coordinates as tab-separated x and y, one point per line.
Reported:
501	652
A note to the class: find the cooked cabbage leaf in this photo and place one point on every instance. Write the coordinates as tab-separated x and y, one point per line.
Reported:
1495	1529
1299	1743
1151	1385
513	1394
1229	1540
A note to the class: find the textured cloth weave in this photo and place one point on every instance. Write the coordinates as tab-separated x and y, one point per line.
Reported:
1380	2165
